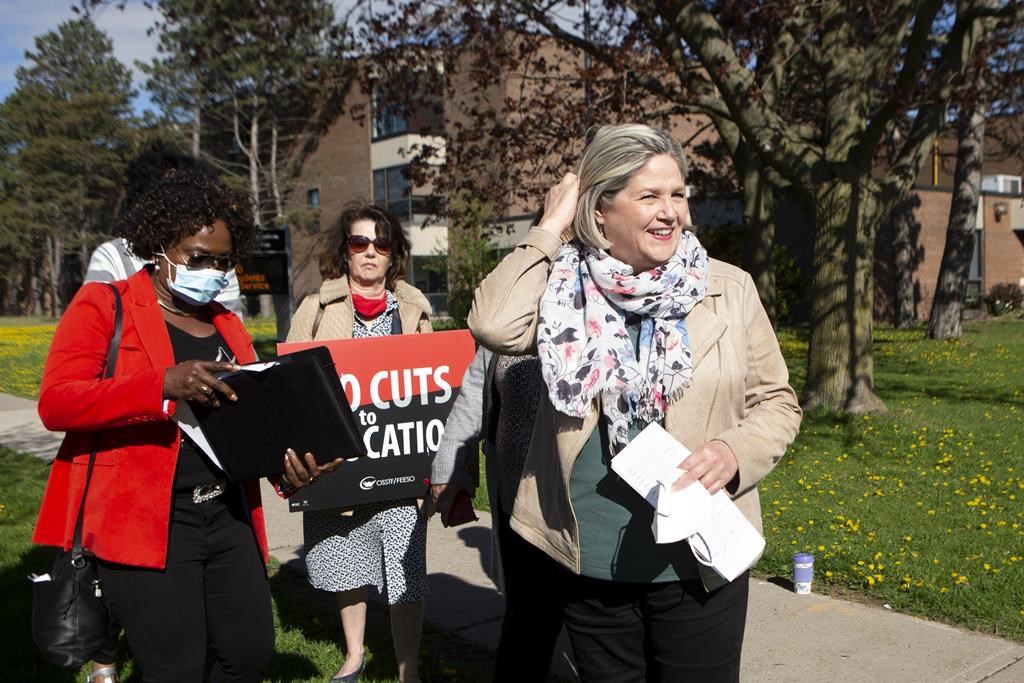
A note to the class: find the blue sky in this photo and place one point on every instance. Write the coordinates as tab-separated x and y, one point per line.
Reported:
22	20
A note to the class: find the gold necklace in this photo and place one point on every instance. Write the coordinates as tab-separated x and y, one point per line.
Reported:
175	311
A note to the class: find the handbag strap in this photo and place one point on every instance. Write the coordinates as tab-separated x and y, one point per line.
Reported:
77	552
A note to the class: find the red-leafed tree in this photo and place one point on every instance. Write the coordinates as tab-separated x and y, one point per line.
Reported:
858	66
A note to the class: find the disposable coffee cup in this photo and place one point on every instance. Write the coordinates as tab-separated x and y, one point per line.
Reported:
803	573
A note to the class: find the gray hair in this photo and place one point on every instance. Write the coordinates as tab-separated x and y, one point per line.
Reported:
612	156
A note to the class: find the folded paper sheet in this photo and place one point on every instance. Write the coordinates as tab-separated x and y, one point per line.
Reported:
718	533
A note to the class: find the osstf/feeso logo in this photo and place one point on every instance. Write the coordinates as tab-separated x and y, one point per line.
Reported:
367	483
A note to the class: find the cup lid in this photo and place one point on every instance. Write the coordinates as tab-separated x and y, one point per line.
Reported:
803	557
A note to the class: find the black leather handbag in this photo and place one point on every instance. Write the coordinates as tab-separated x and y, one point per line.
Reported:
70	619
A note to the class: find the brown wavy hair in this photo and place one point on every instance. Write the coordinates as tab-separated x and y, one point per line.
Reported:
333	263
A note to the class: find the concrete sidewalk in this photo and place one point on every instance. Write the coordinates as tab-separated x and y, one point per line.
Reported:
789	637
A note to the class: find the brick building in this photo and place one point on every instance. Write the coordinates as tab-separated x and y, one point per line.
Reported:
999	239
368	157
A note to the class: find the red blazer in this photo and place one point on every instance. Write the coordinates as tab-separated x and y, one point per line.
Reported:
127	515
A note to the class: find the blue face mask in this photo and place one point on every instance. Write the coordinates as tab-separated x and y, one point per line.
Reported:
196	287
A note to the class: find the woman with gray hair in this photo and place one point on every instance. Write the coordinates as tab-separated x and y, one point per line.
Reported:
634	325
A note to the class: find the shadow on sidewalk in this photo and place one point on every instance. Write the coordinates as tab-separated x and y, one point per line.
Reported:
478	538
301	608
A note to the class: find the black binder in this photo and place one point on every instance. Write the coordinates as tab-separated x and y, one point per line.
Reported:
297	404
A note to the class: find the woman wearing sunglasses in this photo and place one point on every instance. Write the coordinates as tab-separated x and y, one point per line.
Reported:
380	544
181	550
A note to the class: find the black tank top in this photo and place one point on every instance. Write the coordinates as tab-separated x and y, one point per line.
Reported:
194	468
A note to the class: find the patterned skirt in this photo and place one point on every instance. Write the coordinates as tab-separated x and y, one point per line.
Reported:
380	544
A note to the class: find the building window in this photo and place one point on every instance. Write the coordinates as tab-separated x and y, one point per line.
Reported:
429	274
392	189
389	117
412	108
313	198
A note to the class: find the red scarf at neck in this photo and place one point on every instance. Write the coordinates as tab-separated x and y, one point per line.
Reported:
370	308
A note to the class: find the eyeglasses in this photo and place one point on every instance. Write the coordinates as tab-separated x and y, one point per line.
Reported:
204	261
357	244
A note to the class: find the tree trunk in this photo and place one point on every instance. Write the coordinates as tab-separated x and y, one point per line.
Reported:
840	364
903	222
9	298
32	303
251	150
52	274
197	124
947	306
254	168
759	234
275	188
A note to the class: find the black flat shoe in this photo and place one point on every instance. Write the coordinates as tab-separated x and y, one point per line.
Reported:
352	677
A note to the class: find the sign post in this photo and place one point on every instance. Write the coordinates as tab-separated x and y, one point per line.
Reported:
268	271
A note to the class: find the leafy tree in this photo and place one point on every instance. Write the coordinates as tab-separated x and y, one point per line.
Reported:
66	132
255	83
470	256
857	66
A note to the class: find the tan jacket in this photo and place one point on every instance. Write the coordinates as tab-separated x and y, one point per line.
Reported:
339	313
740	392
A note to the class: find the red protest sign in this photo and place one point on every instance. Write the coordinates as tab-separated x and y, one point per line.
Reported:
400	388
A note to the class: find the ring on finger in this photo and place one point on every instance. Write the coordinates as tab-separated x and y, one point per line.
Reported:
206	390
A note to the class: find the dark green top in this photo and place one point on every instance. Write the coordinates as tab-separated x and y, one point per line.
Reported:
616	540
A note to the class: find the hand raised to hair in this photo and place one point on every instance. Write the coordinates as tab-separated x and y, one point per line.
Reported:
196	380
560	205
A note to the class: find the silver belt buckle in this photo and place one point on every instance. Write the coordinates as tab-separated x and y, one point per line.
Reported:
201	494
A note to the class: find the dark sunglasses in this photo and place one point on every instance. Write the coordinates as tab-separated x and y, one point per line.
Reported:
357	244
204	261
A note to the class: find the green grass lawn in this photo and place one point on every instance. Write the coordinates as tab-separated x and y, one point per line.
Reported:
920	508
308	631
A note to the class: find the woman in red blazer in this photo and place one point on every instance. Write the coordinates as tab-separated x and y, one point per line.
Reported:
181	550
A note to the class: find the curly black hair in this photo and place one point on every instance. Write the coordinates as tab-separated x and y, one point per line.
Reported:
157	158
333	261
180	203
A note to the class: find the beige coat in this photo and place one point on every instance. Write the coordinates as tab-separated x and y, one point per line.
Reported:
740	392
339	314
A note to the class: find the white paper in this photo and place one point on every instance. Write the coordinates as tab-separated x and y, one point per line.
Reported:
718	533
728	543
188	423
257	367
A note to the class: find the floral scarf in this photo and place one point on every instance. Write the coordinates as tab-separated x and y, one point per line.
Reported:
585	349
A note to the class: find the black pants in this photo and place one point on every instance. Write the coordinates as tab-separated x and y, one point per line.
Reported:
627	632
214	592
533	608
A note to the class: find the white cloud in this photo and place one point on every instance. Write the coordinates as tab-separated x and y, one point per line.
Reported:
24	20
